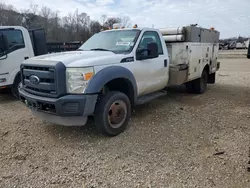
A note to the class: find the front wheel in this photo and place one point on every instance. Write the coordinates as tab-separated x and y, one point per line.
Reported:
112	113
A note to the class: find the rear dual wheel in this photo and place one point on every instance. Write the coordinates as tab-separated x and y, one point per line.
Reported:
199	85
112	113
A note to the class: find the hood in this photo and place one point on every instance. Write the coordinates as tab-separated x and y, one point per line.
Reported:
82	58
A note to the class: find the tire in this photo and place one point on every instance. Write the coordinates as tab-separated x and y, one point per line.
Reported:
200	85
15	86
189	87
112	113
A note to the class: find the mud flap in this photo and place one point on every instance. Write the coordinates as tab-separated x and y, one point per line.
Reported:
211	78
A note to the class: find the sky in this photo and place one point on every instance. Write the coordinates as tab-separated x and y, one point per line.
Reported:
230	17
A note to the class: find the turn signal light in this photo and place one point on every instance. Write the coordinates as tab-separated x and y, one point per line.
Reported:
88	76
135	26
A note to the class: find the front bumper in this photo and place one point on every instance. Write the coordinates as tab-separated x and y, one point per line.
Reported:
66	110
4	81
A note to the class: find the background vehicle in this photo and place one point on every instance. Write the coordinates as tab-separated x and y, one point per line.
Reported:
18	44
248	51
115	70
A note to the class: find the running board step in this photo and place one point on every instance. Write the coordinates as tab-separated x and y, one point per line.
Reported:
149	97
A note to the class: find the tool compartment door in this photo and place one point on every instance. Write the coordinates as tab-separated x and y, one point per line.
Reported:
195	60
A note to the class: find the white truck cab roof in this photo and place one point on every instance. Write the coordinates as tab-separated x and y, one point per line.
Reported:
14	27
138	28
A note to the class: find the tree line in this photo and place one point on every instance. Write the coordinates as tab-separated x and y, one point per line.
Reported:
76	26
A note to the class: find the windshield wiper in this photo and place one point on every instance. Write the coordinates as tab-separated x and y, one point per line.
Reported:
100	49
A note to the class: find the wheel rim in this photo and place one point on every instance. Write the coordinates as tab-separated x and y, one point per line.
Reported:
117	114
19	85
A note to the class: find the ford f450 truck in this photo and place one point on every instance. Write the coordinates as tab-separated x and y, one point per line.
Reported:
115	70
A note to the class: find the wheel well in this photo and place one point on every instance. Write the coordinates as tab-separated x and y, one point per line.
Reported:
18	76
123	85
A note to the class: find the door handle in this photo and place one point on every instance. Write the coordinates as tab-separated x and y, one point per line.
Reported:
165	62
26	58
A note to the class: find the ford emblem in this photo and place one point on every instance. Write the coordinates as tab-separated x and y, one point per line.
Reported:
34	79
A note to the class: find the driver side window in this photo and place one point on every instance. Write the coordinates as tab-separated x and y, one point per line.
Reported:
148	37
14	38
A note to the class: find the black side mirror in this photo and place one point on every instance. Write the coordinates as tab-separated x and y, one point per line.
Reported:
3	44
147	53
142	54
152	50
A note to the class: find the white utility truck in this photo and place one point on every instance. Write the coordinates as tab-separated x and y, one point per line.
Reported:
17	44
115	70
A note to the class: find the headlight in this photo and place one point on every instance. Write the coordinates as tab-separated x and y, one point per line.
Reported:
78	78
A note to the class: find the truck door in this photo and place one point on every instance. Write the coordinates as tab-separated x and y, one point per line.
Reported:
152	74
10	63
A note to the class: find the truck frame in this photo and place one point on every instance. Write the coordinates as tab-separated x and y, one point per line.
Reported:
115	70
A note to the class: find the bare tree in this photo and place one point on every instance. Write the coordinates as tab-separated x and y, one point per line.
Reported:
126	21
95	27
56	31
103	19
30	17
111	21
69	25
75	26
9	16
45	12
2	8
33	8
84	19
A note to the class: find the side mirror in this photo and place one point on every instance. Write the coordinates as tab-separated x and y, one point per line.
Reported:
148	53
3	44
152	50
142	54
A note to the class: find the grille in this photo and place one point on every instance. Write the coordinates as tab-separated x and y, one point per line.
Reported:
47	80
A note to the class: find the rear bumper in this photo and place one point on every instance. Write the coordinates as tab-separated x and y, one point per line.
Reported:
66	110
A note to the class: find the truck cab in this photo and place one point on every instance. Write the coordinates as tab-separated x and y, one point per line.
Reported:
113	71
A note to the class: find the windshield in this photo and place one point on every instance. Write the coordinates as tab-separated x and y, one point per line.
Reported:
118	41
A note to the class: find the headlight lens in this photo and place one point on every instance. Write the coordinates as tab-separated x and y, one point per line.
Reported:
78	78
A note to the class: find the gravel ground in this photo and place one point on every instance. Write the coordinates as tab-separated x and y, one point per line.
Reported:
181	140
